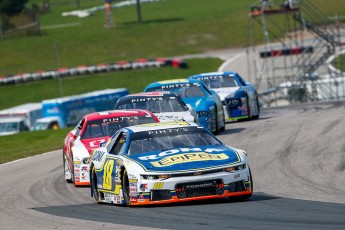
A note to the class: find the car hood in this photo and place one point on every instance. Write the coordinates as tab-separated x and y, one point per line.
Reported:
196	102
175	116
187	159
224	92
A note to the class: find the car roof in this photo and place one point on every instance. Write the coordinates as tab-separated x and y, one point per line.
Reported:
161	126
173	81
118	113
151	94
214	74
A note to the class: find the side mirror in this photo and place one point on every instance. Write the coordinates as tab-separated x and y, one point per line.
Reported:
212	91
190	108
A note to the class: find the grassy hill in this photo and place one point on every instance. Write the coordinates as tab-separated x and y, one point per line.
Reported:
169	28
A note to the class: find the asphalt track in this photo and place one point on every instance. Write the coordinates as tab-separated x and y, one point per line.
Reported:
297	157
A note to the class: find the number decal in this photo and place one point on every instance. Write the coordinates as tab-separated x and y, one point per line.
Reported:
108	170
158	185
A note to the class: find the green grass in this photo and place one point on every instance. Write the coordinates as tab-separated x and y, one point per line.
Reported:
134	80
339	63
170	28
27	144
32	143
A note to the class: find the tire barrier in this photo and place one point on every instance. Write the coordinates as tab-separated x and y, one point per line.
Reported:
92	69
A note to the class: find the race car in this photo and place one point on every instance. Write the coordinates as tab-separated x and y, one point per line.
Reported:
93	130
167	162
205	102
167	106
239	98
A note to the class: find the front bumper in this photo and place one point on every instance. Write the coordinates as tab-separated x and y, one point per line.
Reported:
183	189
235	113
81	174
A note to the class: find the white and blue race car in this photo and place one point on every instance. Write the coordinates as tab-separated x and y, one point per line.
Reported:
239	98
205	102
167	162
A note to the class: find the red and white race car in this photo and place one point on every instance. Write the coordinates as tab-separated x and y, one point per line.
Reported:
91	131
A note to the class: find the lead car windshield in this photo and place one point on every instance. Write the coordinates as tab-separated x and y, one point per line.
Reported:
164	139
219	82
155	105
108	126
183	90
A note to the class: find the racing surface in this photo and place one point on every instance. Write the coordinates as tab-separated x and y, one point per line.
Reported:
297	158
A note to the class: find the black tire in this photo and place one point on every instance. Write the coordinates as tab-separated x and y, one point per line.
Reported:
216	122
72	171
249	110
223	128
125	188
258	106
94	184
64	167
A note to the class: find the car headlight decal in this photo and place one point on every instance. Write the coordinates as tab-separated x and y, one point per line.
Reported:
203	114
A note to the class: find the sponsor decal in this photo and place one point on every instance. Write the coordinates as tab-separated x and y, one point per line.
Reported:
147	99
117	199
210	77
77	162
131	175
133	199
158	185
76	174
133	193
119	119
175	86
180	150
77	166
133	180
96	143
133	184
84	168
141	198
237	176
205	185
97	155
175	130
189	157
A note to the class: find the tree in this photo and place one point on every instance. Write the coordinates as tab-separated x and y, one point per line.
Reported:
10	7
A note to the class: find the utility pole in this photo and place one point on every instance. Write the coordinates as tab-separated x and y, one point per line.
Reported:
139	11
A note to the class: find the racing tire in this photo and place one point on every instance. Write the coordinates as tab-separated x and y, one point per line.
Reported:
258	108
94	184
216	122
248	109
64	167
223	128
125	188
72	172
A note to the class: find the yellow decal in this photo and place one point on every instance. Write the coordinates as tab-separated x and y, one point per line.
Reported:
158	185
189	157
133	180
107	180
173	81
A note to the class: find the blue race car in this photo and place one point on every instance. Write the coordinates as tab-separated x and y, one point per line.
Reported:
239	98
205	102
